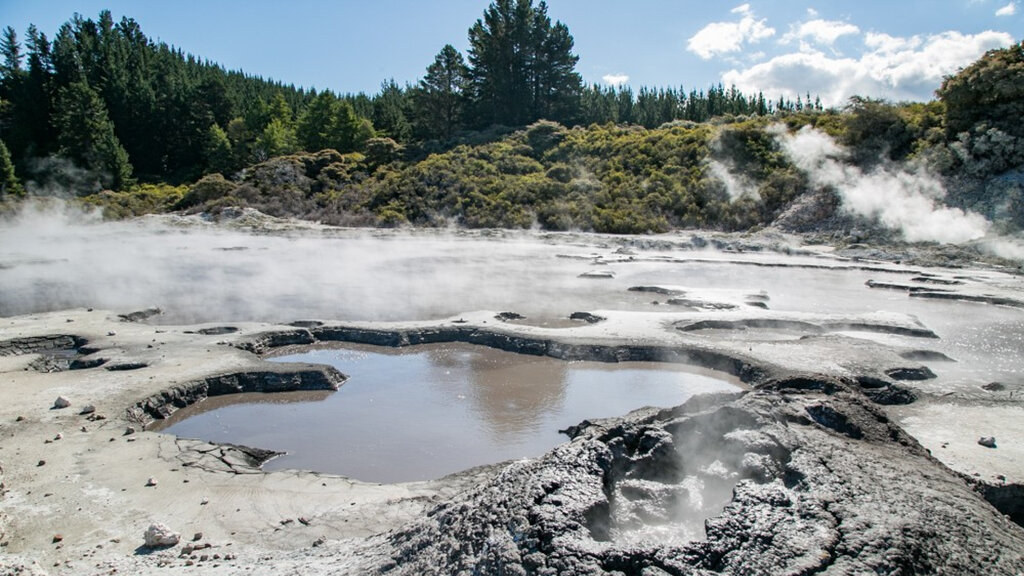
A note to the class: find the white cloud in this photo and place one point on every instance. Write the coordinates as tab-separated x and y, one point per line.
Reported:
1008	10
894	68
615	79
719	38
824	32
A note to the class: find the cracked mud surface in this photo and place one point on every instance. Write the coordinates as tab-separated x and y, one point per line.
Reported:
844	457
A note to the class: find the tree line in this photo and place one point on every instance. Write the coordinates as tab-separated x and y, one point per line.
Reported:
103	106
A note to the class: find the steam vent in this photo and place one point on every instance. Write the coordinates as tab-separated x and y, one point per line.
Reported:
313	400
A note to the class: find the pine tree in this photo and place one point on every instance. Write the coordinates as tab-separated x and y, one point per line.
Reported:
86	136
315	124
217	151
10	49
521	66
438	101
390	112
9	183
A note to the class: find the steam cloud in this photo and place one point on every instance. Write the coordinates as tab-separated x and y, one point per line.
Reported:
56	258
908	201
735	185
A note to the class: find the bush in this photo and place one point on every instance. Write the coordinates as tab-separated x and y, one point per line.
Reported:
211	187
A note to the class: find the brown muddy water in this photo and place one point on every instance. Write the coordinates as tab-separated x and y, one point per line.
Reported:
425	412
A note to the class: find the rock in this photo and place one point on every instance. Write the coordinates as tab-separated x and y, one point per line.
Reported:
151	481
112	333
160	536
987	441
129	431
61	402
587	317
88	409
58	538
41	463
197	536
59	436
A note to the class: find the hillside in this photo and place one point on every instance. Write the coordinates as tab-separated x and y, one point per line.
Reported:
111	119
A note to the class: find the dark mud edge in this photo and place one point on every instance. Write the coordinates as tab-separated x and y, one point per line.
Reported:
40	344
817	480
270	379
749	371
746	370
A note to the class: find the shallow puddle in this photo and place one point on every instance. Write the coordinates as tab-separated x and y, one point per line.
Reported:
428	411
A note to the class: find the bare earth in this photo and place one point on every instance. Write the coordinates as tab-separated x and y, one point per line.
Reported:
79	489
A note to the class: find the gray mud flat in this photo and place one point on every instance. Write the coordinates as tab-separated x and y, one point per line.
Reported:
854	450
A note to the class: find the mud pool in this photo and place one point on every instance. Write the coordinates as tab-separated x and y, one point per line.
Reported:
422	413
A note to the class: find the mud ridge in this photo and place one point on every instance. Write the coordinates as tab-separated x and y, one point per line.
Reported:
740	367
797	482
162	405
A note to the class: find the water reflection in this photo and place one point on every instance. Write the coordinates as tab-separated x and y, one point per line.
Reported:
424	412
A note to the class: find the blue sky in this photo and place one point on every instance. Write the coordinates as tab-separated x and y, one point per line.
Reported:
895	49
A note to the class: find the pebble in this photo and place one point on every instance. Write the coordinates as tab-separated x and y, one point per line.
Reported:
197	536
129	431
151	481
987	441
59	436
58	538
88	409
61	402
41	463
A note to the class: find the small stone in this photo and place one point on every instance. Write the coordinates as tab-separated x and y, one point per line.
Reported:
112	333
58	538
204	501
303	521
158	535
88	409
319	542
61	402
84	429
151	481
186	550
59	436
987	441
41	463
129	431
204	557
19	419
197	536
189	563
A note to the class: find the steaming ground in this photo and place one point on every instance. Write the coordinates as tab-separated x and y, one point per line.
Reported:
800	323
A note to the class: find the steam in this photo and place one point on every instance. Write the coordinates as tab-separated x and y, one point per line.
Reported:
908	201
57	257
735	185
58	177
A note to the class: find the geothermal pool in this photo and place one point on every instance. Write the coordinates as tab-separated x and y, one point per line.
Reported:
432	410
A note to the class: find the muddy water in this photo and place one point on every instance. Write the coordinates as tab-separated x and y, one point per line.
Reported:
422	413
